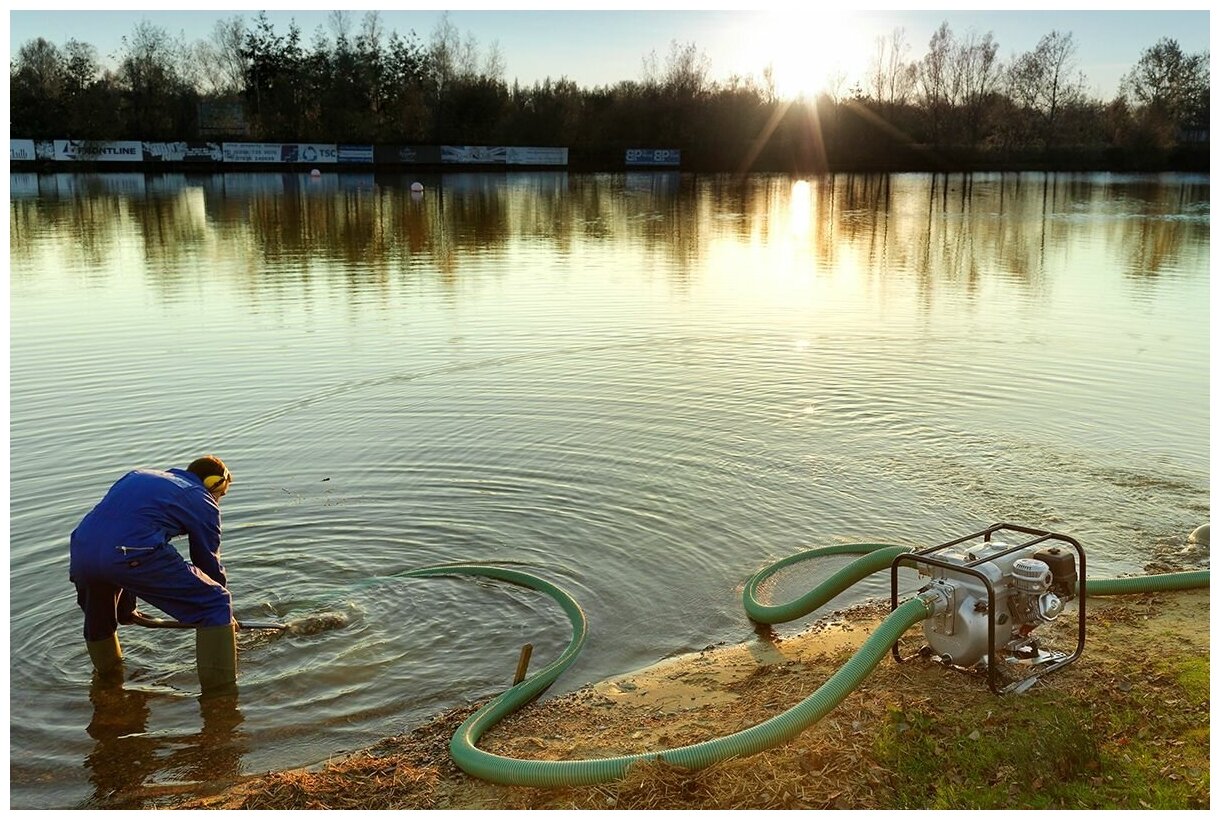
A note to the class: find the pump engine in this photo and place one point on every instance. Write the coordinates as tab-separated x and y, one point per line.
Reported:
992	596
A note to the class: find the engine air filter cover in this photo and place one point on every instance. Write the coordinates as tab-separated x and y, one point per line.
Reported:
1031	575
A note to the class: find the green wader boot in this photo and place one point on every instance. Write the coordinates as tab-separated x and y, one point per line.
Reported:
216	659
107	657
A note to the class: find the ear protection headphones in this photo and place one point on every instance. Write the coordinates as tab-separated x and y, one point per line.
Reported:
214	481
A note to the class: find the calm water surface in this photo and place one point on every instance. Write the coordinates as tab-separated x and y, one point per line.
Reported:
642	387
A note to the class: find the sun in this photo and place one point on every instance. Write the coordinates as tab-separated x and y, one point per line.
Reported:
808	51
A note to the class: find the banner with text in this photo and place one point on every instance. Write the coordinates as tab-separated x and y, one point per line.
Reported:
90	151
21	151
474	154
276	153
237	152
183	152
310	152
654	156
356	154
407	154
537	156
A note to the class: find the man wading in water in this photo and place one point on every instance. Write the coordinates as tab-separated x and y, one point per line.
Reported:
121	550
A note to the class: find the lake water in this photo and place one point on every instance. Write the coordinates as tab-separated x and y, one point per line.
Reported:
642	387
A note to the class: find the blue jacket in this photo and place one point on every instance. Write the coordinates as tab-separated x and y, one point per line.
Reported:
146	508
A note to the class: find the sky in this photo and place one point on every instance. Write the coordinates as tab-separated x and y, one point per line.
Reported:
804	45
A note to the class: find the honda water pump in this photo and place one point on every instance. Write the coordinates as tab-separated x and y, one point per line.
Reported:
992	595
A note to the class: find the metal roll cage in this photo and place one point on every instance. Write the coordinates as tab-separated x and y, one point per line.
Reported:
925	556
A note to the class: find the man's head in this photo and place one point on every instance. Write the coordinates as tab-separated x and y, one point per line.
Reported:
214	475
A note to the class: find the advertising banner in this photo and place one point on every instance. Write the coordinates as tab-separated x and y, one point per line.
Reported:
474	154
312	153
407	154
654	156
252	152
356	154
89	151
21	151
183	152
537	156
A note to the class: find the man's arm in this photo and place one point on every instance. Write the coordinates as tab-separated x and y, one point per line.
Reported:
204	536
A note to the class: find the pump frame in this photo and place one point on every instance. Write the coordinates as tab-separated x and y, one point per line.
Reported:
925	556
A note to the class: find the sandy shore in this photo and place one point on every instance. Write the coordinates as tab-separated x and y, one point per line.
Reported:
844	761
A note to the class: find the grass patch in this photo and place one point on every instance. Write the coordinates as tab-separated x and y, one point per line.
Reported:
1059	750
968	759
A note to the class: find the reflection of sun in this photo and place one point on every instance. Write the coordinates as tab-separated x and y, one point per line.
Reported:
805	49
801	208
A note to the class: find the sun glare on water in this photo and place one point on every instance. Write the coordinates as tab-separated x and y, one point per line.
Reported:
809	51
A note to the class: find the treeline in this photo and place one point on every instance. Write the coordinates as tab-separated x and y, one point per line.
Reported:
956	106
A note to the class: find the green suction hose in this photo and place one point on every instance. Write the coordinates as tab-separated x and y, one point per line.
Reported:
772	732
769	733
1200	579
876	557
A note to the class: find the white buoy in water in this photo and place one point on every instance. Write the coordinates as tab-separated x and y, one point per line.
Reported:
315	173
417	187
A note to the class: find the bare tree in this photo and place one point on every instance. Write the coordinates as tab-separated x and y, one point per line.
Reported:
222	65
151	58
1041	81
686	70
372	30
937	82
493	63
340	24
977	78
155	71
454	57
890	75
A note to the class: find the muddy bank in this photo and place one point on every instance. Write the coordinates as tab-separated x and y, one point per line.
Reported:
1125	726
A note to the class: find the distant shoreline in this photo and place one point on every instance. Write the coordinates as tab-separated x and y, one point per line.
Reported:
51	167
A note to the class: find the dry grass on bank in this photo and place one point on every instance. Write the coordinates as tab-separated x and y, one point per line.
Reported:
1126	726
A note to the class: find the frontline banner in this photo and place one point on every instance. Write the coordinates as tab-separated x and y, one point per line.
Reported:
89	151
654	156
183	152
21	151
474	154
537	156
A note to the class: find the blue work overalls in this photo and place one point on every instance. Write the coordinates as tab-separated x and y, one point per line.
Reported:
121	550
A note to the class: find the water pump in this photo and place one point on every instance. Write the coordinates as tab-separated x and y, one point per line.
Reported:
993	595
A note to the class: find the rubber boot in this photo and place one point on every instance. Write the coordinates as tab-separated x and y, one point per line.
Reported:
216	659
107	657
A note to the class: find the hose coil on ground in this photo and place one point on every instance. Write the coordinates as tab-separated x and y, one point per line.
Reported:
765	735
